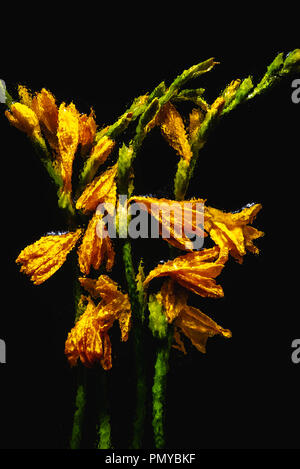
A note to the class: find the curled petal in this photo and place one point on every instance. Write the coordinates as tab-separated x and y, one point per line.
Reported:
97	191
94	249
87	129
198	327
231	230
172	128
25	95
178	222
195	271
43	258
84	341
89	340
173	299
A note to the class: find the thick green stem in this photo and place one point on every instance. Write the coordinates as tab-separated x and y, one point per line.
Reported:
159	389
137	318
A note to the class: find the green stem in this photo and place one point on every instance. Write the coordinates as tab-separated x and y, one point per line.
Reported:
104	432
159	389
78	418
137	318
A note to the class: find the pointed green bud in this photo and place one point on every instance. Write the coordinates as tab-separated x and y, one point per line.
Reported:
292	63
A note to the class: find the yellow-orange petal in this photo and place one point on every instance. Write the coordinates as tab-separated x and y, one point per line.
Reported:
68	137
231	230
177	220
173	298
173	130
198	327
195	271
94	249
46	109
24	119
43	258
97	191
84	341
25	95
87	129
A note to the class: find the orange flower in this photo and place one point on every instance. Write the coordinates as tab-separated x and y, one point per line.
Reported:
89	340
94	248
194	324
195	271
231	230
43	258
176	220
102	188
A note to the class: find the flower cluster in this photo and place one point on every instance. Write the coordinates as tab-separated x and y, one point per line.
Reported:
63	133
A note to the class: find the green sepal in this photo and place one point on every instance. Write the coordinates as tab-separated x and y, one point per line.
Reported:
140	289
181	180
124	166
191	73
270	77
65	202
240	96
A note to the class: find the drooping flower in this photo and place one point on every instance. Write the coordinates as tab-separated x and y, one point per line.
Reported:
194	324
178	222
89	339
102	188
196	271
43	258
232	230
95	247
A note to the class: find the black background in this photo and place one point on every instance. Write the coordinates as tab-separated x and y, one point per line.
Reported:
244	393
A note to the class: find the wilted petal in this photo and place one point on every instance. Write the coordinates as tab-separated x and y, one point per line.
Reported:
87	129
173	130
198	327
94	249
231	230
195	271
178	222
43	258
97	191
68	137
84	340
45	108
173	298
